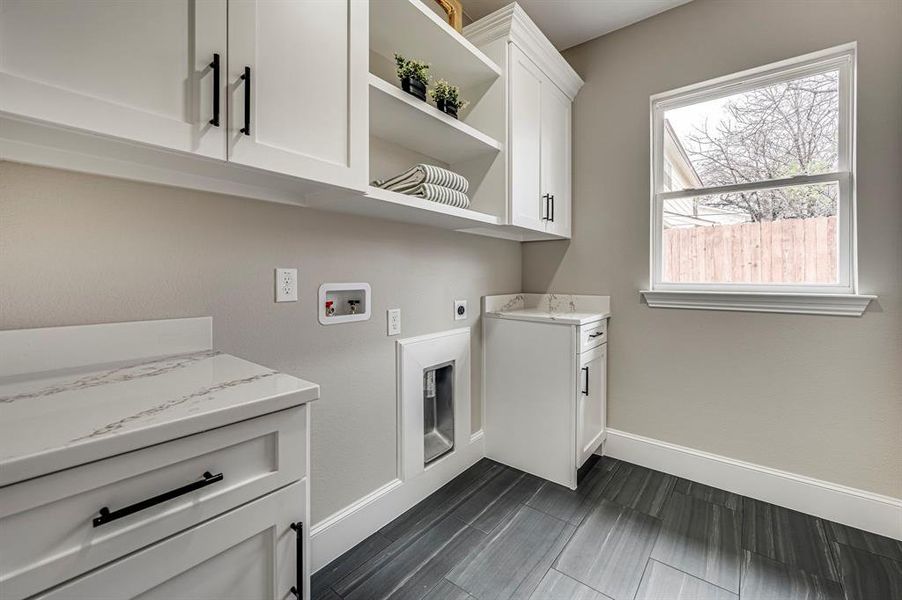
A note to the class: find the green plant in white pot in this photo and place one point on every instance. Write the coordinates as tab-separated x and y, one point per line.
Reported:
447	98
414	76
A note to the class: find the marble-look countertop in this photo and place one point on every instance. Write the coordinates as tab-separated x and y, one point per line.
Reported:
564	309
59	419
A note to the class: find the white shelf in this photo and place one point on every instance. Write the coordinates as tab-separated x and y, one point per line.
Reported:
398	117
410	28
411	209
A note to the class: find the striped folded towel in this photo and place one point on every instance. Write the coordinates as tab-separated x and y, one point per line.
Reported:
420	174
440	194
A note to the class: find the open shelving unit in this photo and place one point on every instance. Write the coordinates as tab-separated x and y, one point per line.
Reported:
398	117
410	28
405	130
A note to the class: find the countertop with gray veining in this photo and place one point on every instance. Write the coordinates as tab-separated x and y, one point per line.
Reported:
59	419
565	309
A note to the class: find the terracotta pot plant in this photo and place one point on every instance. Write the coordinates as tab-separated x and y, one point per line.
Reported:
447	98
414	76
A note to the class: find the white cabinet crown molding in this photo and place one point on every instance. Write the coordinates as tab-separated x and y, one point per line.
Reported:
849	305
512	22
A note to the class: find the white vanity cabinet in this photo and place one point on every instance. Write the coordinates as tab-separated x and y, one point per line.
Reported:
182	476
279	86
253	552
590	402
545	371
535	102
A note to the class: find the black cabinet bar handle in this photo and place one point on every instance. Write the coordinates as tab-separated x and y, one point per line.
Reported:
586	388
551	216
596	334
298	590
246	130
106	515
546	206
215	66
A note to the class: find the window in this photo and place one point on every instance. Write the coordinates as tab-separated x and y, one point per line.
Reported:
753	181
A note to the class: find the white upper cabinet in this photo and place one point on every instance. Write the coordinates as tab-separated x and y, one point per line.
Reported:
140	70
298	88
525	140
172	74
555	151
540	87
539	148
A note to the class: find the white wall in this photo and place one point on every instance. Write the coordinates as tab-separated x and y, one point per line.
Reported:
818	396
78	249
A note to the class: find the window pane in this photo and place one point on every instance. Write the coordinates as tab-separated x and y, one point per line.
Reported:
784	236
771	132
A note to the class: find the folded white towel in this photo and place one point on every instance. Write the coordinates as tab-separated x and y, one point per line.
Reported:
440	194
420	174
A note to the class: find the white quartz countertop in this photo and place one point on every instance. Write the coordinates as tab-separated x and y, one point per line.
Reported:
59	419
564	309
535	314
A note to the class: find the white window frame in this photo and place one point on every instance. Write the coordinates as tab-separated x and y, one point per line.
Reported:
774	297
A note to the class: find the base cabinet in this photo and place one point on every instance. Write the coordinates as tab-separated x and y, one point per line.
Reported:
545	398
590	401
218	514
250	553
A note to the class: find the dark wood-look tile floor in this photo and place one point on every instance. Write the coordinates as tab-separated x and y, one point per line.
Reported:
627	533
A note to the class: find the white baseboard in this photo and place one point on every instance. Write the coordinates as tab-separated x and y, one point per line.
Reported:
338	533
856	508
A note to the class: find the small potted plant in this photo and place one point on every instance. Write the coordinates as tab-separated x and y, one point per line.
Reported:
447	97
414	76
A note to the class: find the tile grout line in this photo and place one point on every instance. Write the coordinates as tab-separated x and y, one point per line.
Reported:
702	579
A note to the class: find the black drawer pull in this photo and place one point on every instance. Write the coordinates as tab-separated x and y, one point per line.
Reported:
246	130
595	335
546	206
586	388
106	515
215	66
297	590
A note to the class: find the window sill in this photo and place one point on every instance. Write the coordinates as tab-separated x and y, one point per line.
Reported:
848	305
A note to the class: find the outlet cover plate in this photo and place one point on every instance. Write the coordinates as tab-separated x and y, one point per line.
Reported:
393	317
286	285
460	310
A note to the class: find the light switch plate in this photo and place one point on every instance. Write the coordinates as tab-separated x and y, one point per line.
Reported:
460	310
286	285
394	321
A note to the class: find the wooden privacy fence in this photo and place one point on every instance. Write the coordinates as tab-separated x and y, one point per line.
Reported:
788	251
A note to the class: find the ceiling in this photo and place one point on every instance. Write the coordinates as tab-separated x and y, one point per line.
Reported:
571	22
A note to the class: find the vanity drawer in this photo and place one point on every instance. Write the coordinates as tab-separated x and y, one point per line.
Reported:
593	335
55	522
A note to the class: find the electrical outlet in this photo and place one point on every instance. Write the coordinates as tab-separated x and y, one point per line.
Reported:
394	321
460	310
286	285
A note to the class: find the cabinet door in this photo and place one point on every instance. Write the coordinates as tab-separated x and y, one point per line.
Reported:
138	70
525	89
249	553
591	405
307	66
556	158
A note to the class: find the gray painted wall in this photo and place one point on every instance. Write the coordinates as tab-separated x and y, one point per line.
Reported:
80	249
819	396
